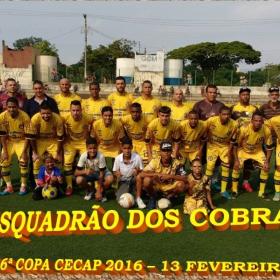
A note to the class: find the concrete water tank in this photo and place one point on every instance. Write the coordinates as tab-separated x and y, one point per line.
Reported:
43	67
173	71
125	68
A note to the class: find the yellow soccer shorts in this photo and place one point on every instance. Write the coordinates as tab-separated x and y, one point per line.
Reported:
112	153
14	148
45	146
141	150
165	188
71	149
184	155
258	158
212	155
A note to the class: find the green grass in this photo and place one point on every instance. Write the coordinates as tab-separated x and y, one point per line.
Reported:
186	245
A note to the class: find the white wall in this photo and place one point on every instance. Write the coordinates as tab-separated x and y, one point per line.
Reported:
155	77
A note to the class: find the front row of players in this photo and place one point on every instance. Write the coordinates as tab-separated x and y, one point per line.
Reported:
46	135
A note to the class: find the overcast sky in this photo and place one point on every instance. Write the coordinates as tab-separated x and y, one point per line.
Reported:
155	25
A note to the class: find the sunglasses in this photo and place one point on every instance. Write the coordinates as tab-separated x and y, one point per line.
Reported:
274	88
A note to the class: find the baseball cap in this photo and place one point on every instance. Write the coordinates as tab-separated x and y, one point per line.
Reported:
244	89
273	88
165	146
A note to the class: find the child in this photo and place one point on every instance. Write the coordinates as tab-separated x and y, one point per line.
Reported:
127	166
92	167
198	190
48	175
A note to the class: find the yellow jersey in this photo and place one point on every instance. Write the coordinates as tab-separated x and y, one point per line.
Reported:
14	128
251	141
220	135
135	130
191	137
63	102
94	107
242	114
179	113
150	107
77	130
274	124
107	137
42	130
156	132
120	103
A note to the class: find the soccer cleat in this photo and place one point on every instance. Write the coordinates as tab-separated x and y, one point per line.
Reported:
226	195
140	203
8	190
216	186
264	196
22	190
233	195
152	203
89	195
276	196
247	187
69	190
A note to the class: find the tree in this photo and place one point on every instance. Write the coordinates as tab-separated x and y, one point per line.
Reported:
103	59
31	41
44	46
211	57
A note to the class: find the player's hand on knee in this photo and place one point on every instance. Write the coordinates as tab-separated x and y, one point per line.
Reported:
4	156
35	157
98	196
24	156
58	158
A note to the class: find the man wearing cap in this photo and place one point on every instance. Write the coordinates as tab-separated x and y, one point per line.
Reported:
242	112
207	108
164	174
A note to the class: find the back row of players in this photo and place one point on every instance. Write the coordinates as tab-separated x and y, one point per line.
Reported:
149	125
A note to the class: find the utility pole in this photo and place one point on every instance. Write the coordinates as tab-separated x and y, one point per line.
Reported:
139	46
85	17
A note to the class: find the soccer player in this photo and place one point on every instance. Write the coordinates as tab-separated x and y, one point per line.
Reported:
108	132
221	132
162	129
135	126
12	91
46	135
179	110
14	127
242	112
65	97
32	105
198	189
95	103
150	105
126	167
77	128
92	168
249	143
207	108
193	138
120	100
164	174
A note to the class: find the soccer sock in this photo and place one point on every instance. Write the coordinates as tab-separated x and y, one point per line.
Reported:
277	180
24	175
235	178
68	175
6	173
263	180
215	174
225	176
35	172
209	172
245	181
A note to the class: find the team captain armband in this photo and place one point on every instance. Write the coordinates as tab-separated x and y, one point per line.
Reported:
232	140
177	140
203	138
270	147
3	133
60	138
147	140
30	136
235	145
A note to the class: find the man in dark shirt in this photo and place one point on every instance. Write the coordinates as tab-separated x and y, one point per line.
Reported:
32	107
207	108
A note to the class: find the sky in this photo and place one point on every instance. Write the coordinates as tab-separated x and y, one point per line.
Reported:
154	25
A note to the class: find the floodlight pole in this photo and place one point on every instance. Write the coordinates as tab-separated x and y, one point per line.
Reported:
85	17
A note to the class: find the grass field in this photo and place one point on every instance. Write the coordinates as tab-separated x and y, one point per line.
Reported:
186	245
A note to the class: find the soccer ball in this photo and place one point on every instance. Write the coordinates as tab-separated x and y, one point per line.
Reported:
163	205
126	200
49	192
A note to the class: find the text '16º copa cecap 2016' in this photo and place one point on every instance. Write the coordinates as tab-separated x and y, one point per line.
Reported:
165	146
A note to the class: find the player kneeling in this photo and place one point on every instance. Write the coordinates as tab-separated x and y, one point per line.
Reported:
127	166
164	174
198	189
49	175
92	167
